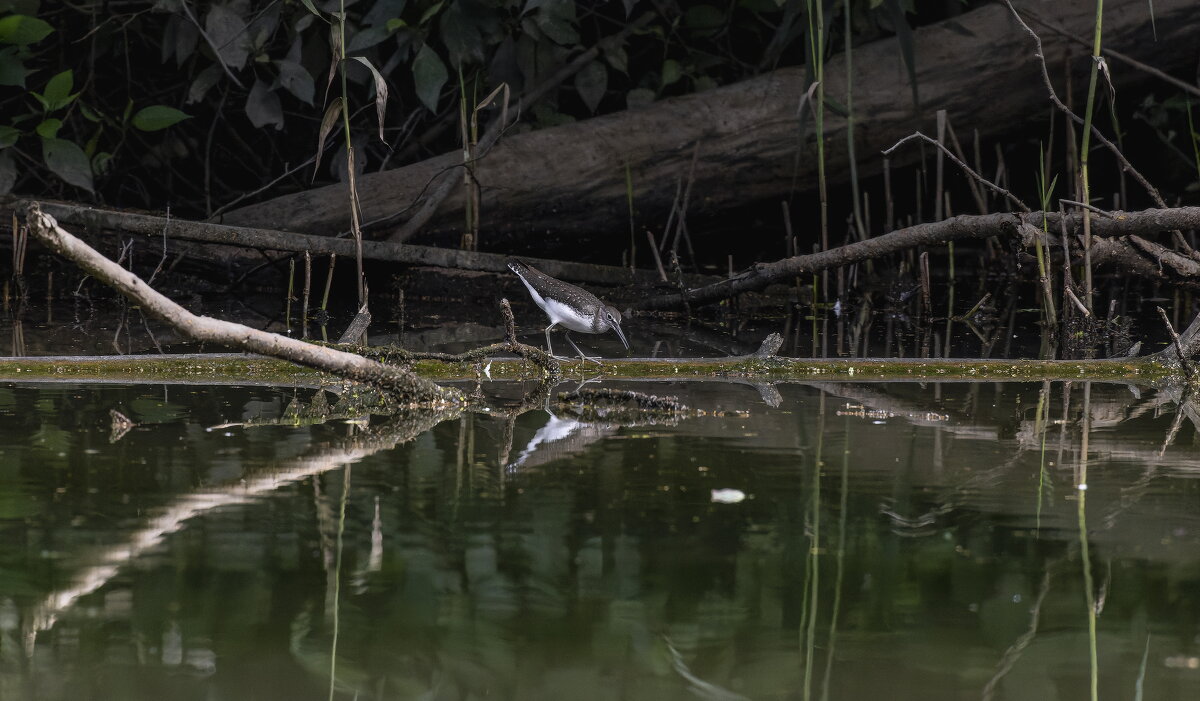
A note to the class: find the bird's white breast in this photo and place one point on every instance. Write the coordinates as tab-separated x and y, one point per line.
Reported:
558	312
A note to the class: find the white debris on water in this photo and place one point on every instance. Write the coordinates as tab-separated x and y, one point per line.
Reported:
728	496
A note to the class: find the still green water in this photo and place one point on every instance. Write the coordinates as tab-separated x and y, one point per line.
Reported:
857	541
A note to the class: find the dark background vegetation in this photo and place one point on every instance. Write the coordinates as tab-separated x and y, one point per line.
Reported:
193	104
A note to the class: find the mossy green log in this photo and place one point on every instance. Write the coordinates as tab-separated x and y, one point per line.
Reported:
235	368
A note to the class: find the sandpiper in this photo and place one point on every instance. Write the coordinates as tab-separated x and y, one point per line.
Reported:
573	308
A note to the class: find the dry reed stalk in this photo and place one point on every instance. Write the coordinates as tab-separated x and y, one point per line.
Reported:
307	290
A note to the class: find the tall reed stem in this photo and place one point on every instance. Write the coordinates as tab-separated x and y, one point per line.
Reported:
355	221
1084	157
856	204
816	37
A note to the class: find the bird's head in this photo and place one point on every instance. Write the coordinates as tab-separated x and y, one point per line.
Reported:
612	318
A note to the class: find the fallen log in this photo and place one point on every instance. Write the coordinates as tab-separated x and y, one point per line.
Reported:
569	181
1116	232
174	229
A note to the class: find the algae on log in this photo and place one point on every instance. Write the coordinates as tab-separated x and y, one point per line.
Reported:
237	368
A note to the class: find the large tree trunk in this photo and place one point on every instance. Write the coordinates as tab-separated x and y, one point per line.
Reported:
569	181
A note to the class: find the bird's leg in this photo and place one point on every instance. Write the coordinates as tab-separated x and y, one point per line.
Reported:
550	348
581	355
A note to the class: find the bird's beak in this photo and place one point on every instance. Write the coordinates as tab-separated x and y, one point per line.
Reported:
620	335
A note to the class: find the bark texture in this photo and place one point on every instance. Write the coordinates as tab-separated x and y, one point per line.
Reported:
569	181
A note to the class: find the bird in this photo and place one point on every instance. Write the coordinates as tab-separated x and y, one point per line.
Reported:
573	308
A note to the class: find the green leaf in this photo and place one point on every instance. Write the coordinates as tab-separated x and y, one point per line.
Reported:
555	19
704	18
670	72
461	28
296	79
58	91
8	172
429	75
591	82
263	106
12	68
203	83
23	30
313	9
367	37
21	7
48	129
68	161
396	23
561	31
100	162
429	14
8	136
616	56
89	114
381	10
157	117
228	32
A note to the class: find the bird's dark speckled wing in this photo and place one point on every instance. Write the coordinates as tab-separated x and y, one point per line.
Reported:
553	288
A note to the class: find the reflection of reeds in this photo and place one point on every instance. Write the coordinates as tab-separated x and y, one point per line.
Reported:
1139	685
1040	421
337	580
841	561
1085	556
1013	653
812	572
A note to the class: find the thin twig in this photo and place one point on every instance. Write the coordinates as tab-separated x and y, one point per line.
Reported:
657	258
1093	208
1188	370
187	10
966	168
1041	57
1151	70
1075	300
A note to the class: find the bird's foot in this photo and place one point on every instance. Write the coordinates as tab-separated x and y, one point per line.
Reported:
581	358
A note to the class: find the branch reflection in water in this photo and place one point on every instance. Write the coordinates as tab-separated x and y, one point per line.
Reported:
538	546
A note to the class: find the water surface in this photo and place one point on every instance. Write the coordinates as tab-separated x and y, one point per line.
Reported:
856	541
